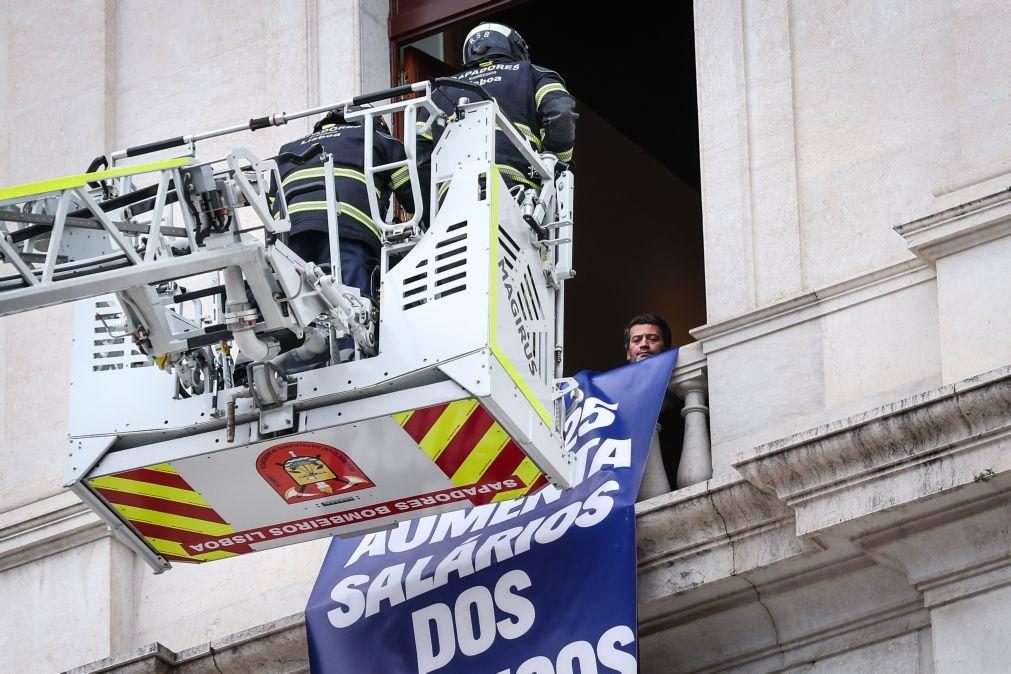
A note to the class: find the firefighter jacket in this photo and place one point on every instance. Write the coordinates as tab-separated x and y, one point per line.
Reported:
305	190
533	98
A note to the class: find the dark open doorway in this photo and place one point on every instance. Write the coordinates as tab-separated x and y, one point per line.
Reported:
638	234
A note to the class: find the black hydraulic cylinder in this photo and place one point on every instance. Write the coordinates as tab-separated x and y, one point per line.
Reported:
382	95
148	148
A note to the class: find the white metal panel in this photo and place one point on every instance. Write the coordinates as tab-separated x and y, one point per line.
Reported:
434	302
111	382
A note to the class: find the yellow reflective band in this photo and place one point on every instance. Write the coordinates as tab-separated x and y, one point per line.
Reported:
428	134
360	217
565	156
67	182
515	174
531	136
443	187
485	451
149	489
527	471
509	495
400	176
162	468
307	206
449	422
545	90
346	209
495	348
534	140
305	174
135	514
402	417
173	548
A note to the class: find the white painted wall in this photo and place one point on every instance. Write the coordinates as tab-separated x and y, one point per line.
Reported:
78	80
824	124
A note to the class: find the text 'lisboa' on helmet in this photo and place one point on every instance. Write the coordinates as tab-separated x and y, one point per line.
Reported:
494	39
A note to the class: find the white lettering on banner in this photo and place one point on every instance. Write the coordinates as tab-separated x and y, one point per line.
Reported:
456	628
502	546
537	665
594	412
431	656
388	585
460	560
516	605
579	653
611	656
557	524
350	602
474	639
548	495
465	559
416	584
613	453
401	542
582	653
461	522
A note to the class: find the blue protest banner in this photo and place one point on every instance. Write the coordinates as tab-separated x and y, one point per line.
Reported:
539	585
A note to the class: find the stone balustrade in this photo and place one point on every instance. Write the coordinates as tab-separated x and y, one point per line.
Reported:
690	383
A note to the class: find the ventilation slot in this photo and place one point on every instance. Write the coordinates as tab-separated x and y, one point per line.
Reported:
537	307
111	351
443	274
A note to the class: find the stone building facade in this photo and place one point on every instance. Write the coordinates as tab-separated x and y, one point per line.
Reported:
848	402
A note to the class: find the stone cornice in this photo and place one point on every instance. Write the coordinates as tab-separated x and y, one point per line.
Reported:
702	535
790	312
277	646
46	527
959	228
701	518
889	456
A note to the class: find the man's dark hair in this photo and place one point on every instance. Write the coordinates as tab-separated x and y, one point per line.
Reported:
649	319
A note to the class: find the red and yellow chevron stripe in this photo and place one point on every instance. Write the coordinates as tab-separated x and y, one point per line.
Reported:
470	447
166	510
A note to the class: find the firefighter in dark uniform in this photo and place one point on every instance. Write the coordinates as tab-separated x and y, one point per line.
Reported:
305	194
533	98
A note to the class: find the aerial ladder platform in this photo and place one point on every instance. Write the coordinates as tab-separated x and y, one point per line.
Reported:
210	412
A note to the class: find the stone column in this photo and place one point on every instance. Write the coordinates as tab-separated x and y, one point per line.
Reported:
696	463
690	384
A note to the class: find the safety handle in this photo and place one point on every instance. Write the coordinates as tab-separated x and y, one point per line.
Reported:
98	162
382	95
260	123
148	148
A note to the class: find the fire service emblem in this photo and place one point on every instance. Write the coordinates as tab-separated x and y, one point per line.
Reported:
303	471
